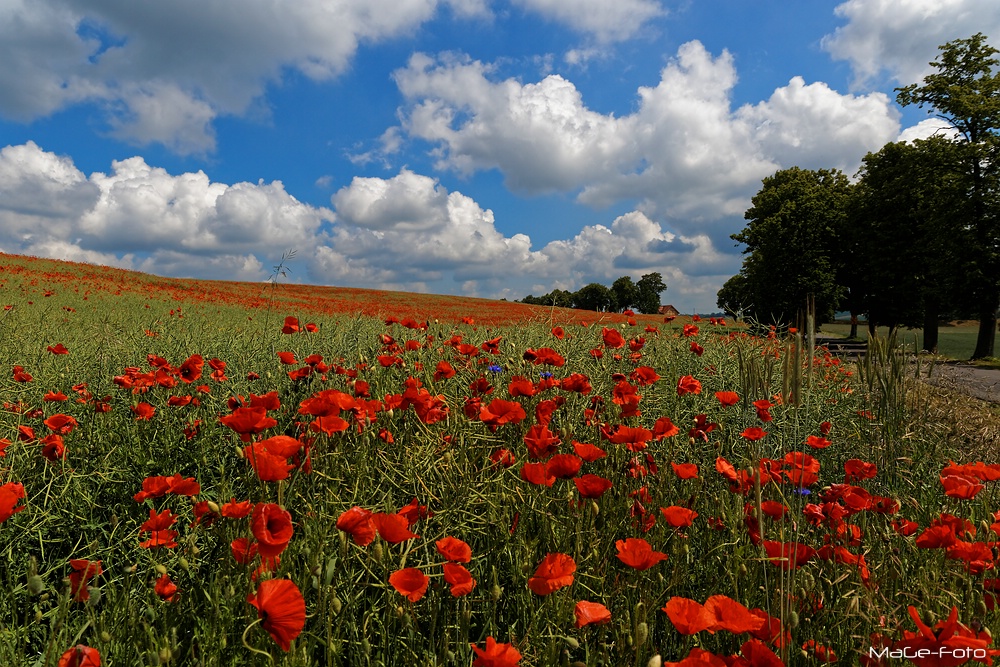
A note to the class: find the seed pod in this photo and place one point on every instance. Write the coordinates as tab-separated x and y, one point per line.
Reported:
641	633
35	584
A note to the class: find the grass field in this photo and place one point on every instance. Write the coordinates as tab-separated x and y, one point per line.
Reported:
955	341
257	479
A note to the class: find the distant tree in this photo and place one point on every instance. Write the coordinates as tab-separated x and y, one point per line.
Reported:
594	296
790	243
649	288
733	297
965	91
626	293
558	298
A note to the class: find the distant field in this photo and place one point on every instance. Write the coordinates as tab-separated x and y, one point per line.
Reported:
956	341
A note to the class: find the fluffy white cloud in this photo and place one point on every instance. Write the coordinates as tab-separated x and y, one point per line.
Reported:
406	232
900	37
606	21
143	217
164	71
685	152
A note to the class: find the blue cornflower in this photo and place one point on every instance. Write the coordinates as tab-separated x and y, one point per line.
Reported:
495	369
545	375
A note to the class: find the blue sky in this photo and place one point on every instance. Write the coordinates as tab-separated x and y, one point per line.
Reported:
469	147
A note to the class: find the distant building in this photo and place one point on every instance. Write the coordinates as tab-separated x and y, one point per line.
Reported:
669	311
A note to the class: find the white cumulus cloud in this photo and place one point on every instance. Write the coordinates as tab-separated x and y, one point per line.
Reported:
898	38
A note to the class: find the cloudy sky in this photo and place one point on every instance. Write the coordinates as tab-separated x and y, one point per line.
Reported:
485	147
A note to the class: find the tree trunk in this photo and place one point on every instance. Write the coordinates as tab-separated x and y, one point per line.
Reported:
854	326
987	328
871	327
931	325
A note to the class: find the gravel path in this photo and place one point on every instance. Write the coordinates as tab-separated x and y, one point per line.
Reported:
983	383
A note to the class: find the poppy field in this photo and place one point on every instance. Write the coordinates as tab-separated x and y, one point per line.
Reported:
192	481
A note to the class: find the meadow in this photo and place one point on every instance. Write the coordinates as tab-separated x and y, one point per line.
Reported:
198	473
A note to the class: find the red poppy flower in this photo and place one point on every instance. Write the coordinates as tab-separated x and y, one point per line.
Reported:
591	613
592	486
61	424
727	398
554	572
80	656
943	641
248	421
588	452
291	325
166	589
576	382
10	494
143	411
499	412
664	428
410	582
754	433
496	655
358	522
393	528
55	397
272	526
678	517
459	579
612	338
541	442
788	555
564	466
281	609
963	487
638	554
685	470
191	369
688	385
688	616
158	525
83	571
728	614
454	550
58	348
244	550
817	442
537	474
558	332
53	447
857	470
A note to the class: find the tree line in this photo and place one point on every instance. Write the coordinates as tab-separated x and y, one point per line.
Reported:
643	296
914	239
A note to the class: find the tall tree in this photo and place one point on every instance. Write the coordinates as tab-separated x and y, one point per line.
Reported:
626	293
965	91
594	296
649	289
907	231
791	240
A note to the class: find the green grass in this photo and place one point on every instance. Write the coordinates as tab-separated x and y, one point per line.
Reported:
82	506
954	342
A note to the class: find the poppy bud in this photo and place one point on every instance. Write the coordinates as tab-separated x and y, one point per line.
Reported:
572	643
793	619
366	647
496	592
105	636
95	596
38	616
377	552
981	607
183	562
160	569
239	452
743	570
595	508
35	584
165	655
655	661
337	605
214	506
641	633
